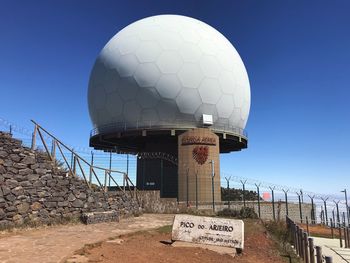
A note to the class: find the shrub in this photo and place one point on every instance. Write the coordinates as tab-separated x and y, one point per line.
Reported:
247	212
227	212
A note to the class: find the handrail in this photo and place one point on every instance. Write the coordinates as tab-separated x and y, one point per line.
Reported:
72	151
77	161
179	124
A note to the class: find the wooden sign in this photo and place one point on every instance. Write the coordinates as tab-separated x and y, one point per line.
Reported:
209	230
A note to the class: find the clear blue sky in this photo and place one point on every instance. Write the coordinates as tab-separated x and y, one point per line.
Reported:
297	54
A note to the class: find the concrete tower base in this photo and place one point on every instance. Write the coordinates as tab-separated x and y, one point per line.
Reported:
198	158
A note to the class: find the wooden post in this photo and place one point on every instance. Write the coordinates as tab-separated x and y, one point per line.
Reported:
311	250
74	165
307	226
345	238
318	254
53	149
34	137
91	165
301	243
106	180
297	242
332	231
340	237
306	250
44	143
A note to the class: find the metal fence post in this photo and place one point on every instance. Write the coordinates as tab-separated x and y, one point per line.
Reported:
340	237
273	202
297	241
306	250
228	191
34	137
301	243
318	254
311	250
258	190
243	184
312	209
325	209
332	230
300	211
286	199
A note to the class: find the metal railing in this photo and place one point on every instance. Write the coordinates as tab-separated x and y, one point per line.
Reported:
155	125
304	245
77	162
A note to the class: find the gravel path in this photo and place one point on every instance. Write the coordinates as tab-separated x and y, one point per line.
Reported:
55	244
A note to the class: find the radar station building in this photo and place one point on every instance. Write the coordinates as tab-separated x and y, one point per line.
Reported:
173	91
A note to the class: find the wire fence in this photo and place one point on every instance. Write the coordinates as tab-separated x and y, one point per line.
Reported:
325	208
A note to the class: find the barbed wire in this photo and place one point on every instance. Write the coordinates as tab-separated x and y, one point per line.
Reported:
103	157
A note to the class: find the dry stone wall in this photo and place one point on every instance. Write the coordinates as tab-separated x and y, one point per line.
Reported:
33	189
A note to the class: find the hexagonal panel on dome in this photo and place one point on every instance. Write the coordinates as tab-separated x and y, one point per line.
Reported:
131	112
149	117
169	62
167	110
147	74
190	35
97	99
225	106
210	66
208	47
169	40
168	86
190	75
128	88
112	81
147	98
208	90
238	98
227	82
188	100
128	45
127	65
235	117
190	52
114	104
148	51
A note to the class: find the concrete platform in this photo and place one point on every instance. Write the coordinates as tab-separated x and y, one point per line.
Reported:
331	247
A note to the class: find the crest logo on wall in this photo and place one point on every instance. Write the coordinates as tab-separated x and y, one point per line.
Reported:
200	154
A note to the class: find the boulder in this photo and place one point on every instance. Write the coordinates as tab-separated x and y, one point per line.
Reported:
23	208
28	160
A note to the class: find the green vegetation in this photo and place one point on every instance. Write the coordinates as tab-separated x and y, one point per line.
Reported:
244	212
281	236
233	194
164	229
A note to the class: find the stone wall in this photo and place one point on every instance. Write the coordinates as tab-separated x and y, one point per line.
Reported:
33	189
152	203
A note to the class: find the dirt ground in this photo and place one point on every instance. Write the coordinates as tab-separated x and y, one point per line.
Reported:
149	247
320	231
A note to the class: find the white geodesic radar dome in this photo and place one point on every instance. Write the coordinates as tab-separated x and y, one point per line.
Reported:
169	70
